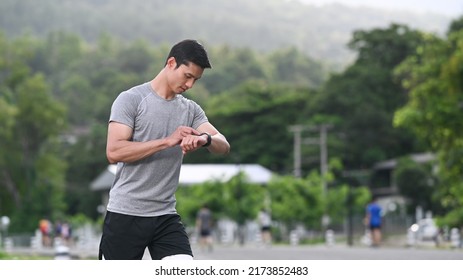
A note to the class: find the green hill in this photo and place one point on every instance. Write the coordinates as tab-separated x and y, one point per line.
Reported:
321	32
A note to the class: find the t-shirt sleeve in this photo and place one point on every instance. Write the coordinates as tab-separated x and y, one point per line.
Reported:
124	109
199	116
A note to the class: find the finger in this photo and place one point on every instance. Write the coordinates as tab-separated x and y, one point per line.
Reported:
186	144
192	131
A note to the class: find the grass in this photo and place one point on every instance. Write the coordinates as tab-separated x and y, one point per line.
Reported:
7	256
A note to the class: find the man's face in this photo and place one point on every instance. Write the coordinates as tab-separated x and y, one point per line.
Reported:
183	78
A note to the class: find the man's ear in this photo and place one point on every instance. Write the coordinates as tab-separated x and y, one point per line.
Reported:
171	63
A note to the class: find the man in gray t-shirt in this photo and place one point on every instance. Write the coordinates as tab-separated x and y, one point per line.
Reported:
151	127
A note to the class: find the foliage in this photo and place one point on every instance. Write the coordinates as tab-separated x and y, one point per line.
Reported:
254	106
291	201
7	256
242	200
304	201
31	169
290	66
233	67
263	25
56	93
87	79
86	159
434	112
191	198
296	200
365	96
236	199
79	220
416	182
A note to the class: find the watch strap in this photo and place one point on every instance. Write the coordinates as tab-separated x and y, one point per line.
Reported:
209	139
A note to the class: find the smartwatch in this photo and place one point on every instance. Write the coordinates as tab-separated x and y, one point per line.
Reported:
209	138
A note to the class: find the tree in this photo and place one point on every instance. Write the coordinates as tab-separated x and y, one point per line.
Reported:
191	198
86	158
434	112
294	68
242	200
237	199
234	67
416	183
304	201
31	170
297	200
255	118
365	96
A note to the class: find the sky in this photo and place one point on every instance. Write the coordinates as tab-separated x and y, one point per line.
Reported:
453	8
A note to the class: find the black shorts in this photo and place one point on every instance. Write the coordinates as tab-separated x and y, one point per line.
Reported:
126	237
205	232
265	229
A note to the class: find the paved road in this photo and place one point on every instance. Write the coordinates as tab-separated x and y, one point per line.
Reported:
284	252
321	252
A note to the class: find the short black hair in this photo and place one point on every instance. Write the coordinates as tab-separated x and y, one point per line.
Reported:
187	51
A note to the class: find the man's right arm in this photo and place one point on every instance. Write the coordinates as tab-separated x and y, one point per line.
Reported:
120	148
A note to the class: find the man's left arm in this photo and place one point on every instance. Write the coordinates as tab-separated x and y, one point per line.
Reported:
217	144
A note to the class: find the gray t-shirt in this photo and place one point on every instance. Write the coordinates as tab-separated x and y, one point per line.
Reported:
147	187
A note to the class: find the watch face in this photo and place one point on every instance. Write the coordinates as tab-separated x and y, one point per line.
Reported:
209	139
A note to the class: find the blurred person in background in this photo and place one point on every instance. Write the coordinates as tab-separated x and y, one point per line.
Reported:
45	228
373	221
204	227
265	223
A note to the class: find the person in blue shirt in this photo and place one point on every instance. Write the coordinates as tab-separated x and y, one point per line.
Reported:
373	221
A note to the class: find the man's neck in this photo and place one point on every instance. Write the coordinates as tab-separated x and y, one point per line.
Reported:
159	86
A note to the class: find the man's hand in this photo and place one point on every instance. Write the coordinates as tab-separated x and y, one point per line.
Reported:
193	142
180	134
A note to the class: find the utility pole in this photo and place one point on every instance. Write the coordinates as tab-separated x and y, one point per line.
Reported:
321	141
324	154
297	130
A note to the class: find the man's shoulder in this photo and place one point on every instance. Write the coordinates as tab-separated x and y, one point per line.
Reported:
134	94
138	90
